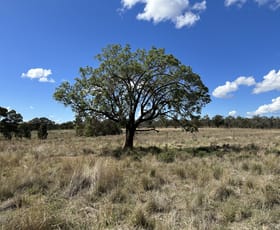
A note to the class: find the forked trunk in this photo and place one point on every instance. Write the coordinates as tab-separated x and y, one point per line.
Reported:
129	136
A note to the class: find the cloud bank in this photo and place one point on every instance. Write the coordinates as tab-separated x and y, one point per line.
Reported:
273	4
180	12
270	82
39	73
273	107
224	91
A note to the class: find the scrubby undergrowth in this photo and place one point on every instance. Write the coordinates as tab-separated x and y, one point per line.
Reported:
218	179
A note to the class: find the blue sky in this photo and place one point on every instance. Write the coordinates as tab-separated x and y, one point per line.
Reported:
234	45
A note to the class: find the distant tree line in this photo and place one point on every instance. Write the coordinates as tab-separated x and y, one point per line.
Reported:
218	121
255	122
12	125
91	126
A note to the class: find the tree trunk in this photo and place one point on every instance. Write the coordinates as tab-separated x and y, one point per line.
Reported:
129	136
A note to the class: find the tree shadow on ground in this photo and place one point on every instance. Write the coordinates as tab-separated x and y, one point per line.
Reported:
137	152
201	151
220	150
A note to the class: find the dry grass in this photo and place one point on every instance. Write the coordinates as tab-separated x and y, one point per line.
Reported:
217	179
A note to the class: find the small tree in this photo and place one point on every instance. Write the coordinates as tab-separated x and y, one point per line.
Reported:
9	121
218	120
43	131
35	123
94	127
24	130
131	88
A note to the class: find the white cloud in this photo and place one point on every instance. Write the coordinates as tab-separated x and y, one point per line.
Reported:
270	82
234	2
232	113
180	12
249	81
200	6
38	73
130	3
224	91
267	108
273	4
188	19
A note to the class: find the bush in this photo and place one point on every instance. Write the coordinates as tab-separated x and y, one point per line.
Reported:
141	221
93	127
24	130
166	157
43	131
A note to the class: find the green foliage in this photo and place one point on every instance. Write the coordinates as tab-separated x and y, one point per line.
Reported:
131	88
271	196
3	112
167	157
35	123
218	120
42	131
256	122
93	127
9	121
24	131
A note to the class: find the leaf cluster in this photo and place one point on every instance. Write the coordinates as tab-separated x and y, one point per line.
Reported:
9	121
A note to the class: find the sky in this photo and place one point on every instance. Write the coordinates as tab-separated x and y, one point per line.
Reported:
234	45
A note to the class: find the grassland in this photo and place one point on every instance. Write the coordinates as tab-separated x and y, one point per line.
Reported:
215	179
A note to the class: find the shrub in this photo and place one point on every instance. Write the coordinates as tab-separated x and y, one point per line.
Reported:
42	131
142	221
152	173
271	196
245	166
94	127
24	130
7	134
166	157
229	212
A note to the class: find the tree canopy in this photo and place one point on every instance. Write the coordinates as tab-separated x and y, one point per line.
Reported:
134	87
9	121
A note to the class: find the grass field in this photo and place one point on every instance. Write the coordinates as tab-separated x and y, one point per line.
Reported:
215	179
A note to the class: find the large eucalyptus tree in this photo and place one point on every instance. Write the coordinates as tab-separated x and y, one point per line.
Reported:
134	87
